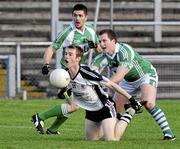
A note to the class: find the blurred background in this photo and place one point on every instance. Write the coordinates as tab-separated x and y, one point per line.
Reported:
27	28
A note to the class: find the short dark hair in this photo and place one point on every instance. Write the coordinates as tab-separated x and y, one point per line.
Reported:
80	7
111	34
79	50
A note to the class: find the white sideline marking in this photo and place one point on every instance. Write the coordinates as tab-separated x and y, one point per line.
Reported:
26	127
5	126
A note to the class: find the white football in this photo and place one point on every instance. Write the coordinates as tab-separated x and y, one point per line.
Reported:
59	78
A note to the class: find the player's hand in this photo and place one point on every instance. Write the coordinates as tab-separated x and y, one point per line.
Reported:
45	69
92	45
136	105
109	104
64	93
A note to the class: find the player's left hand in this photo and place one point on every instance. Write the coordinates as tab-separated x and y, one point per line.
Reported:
92	45
64	93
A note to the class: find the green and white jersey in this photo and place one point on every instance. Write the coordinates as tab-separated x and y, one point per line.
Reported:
71	35
126	56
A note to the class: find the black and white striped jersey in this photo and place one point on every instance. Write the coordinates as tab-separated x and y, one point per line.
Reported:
86	89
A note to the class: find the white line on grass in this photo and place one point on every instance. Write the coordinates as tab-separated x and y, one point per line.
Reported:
27	127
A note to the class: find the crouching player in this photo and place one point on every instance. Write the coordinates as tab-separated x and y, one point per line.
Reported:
85	90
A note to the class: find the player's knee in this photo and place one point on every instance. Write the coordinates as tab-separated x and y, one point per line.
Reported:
72	108
110	139
75	107
92	138
149	105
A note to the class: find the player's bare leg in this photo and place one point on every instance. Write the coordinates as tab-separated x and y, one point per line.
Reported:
148	93
93	130
120	101
122	124
108	127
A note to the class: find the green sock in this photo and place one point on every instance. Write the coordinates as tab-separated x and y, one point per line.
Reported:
54	111
57	123
60	111
161	120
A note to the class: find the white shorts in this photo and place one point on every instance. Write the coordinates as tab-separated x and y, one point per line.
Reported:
134	87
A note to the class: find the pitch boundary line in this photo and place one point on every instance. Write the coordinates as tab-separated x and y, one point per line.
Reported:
27	127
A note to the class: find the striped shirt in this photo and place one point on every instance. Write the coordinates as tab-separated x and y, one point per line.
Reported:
86	89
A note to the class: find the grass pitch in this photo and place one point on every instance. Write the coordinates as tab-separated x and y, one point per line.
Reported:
17	131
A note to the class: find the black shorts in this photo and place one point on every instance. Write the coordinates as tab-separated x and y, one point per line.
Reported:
98	116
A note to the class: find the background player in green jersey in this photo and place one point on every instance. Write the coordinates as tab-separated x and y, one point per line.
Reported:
77	33
132	73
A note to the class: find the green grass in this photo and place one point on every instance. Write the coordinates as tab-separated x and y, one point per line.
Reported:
17	131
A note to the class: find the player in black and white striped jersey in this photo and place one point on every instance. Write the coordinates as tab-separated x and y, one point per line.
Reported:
87	92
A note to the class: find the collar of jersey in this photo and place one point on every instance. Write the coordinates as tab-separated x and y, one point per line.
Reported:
75	29
115	51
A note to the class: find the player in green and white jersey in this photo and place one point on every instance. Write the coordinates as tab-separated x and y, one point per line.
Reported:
133	73
85	38
77	33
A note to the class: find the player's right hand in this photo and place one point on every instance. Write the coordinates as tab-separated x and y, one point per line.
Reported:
91	44
45	69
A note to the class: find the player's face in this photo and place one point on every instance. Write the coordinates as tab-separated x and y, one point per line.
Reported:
79	18
107	45
70	58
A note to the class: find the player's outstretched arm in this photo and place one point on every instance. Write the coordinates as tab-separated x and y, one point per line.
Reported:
115	87
137	106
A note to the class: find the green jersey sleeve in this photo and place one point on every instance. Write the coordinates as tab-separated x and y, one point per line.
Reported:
57	44
125	56
100	60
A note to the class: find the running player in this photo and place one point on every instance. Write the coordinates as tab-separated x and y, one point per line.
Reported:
133	74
